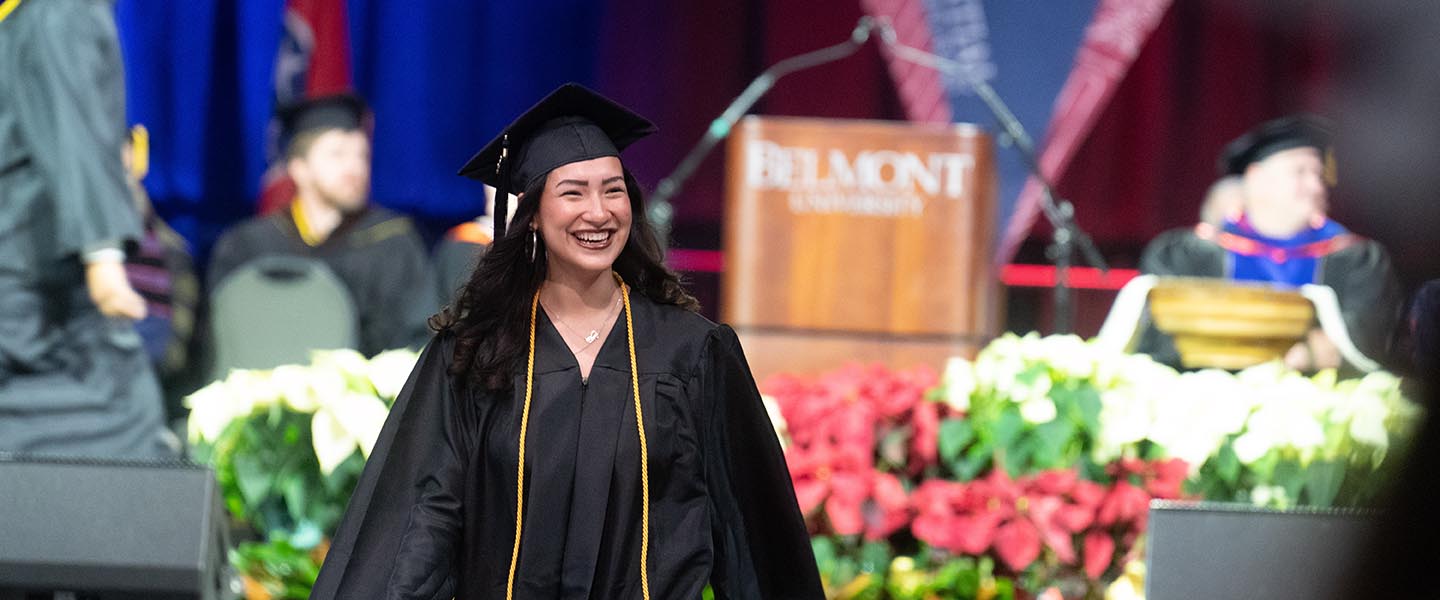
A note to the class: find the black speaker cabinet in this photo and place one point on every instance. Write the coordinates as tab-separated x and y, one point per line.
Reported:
1209	551
96	530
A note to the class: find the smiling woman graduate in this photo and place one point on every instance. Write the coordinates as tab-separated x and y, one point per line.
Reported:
650	466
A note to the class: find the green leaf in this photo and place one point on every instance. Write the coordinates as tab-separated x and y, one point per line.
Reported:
961	578
1049	443
1032	372
1088	401
293	488
1150	451
1016	459
1264	469
1322	482
936	394
978	458
288	571
1289	475
253	478
343	479
955	434
846	569
1089	470
875	557
1227	465
986	566
1004	589
1007	428
825	555
297	591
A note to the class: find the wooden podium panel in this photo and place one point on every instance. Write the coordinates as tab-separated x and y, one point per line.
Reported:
869	232
771	352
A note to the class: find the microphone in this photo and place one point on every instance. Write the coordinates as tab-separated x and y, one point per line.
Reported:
660	212
1060	214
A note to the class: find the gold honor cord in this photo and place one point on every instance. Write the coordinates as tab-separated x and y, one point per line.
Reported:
639	425
644	451
7	7
520	469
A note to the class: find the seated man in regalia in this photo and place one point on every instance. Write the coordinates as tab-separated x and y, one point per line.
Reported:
1282	235
378	254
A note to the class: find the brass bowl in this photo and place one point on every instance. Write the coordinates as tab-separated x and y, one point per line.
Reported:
1226	324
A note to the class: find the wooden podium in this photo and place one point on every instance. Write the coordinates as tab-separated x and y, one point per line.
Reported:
859	241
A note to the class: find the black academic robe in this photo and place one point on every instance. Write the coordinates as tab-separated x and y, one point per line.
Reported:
434	513
376	253
72	382
455	261
1361	275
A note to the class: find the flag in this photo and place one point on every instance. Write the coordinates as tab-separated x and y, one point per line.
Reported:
313	60
919	88
1111	44
1022	50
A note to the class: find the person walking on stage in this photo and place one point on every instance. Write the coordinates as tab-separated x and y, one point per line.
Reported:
575	429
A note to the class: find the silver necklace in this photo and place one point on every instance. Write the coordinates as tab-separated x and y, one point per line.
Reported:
594	335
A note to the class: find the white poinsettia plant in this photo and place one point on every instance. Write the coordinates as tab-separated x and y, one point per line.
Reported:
288	443
1266	434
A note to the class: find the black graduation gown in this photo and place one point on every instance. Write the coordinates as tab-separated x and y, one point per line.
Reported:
72	381
376	253
434	513
1361	275
455	260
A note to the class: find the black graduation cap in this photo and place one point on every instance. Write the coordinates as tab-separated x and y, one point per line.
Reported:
338	111
571	124
1284	133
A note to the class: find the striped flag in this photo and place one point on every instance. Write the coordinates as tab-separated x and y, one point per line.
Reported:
313	60
920	89
1112	43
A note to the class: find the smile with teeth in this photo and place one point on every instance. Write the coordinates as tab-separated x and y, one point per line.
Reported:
592	239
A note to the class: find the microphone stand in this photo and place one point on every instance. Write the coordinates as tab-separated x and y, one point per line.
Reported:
1060	214
660	211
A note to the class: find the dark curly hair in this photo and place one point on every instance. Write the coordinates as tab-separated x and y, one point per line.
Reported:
490	318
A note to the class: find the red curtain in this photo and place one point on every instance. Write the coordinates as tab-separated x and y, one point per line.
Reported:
1211	71
735	41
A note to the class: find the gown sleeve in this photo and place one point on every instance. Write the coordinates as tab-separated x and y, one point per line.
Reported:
762	550
73	117
407	297
400	532
1369	294
1175	253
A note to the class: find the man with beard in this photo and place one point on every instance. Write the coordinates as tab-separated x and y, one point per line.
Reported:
375	252
1283	235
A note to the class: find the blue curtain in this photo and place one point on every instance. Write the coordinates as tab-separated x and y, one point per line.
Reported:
442	76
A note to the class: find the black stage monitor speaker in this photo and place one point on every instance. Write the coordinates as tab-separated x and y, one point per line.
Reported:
1215	551
106	530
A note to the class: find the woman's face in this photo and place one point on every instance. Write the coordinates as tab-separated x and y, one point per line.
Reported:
584	216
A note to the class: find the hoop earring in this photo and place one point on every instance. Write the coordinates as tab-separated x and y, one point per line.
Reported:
534	243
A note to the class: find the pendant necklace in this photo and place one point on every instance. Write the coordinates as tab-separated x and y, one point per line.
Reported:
594	335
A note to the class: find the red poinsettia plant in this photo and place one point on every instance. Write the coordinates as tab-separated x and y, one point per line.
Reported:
858	435
868	466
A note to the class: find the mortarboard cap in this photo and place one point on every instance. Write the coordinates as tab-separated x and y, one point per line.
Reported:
338	111
571	124
1284	133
